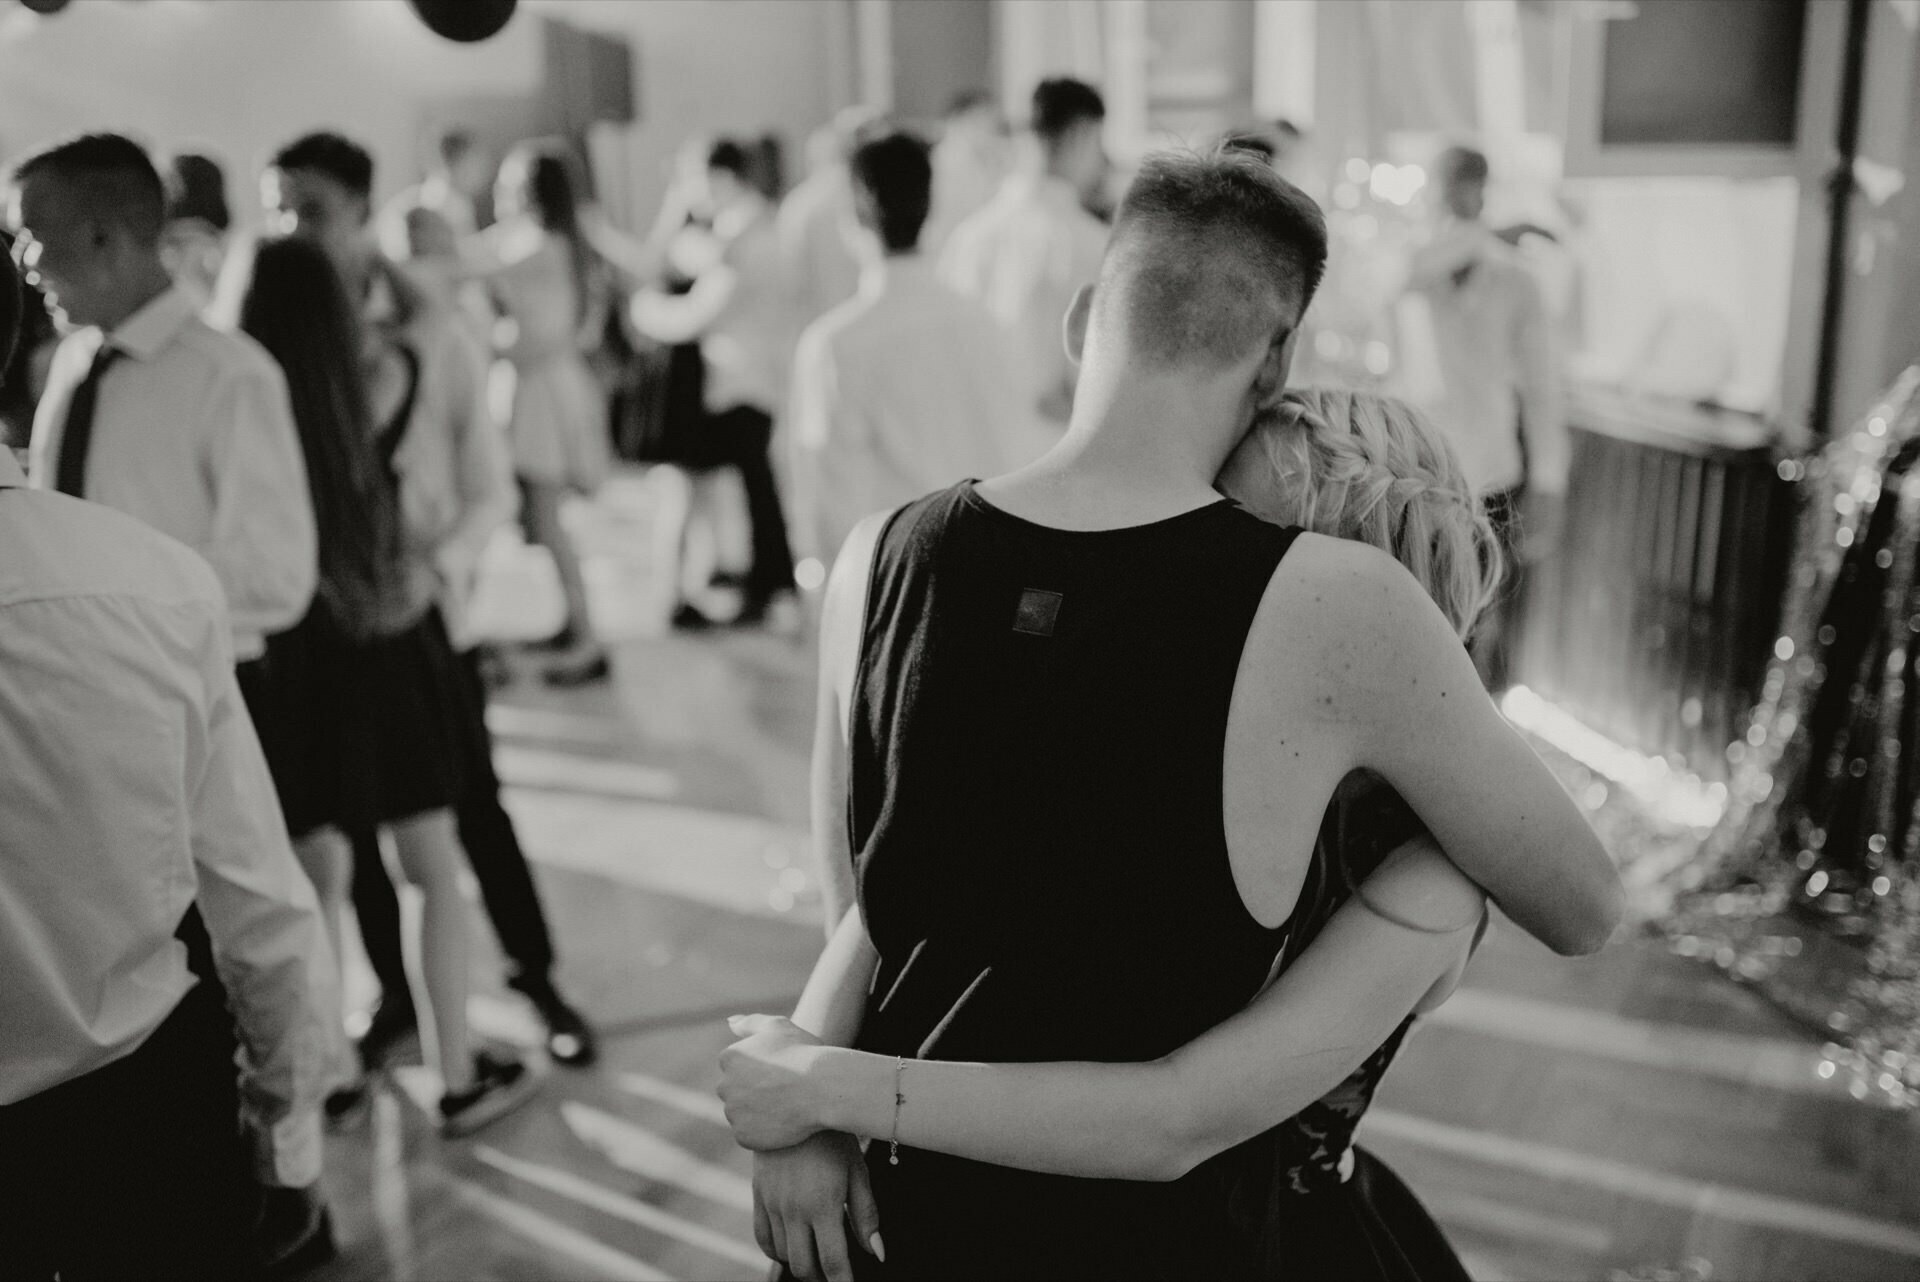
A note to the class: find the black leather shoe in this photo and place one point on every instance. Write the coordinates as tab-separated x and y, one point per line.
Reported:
389	1028
570	1039
292	1231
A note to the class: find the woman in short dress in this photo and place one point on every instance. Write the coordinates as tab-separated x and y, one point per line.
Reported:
366	718
553	297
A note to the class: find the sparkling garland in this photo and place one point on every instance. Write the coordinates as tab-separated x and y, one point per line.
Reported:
1822	828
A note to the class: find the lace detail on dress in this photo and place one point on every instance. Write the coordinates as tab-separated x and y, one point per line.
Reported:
1312	1146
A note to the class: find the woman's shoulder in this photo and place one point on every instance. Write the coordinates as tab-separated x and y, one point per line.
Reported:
1348	626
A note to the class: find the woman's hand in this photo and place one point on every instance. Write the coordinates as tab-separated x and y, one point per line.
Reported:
767	1084
803	1198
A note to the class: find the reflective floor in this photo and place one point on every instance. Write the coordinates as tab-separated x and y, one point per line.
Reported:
1632	1115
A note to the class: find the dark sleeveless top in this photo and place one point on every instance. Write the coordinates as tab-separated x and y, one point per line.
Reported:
1037	740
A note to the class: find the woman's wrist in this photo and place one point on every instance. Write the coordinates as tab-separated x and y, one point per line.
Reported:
851	1085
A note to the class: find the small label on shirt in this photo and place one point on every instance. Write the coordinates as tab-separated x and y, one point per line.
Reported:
1038	611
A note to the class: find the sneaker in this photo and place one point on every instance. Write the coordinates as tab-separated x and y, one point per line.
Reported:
570	1040
292	1231
348	1107
579	672
390	1026
777	612
688	617
557	643
501	1083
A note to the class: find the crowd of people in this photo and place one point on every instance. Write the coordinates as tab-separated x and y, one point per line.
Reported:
241	689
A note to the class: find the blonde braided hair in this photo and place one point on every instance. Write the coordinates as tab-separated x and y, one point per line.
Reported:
1354	465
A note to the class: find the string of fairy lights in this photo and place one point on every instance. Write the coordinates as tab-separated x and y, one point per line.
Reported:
1822	826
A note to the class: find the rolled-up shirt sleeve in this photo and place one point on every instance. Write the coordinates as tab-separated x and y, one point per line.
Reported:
269	940
263	546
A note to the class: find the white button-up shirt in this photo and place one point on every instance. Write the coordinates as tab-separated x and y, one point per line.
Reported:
820	266
900	391
194	435
1478	356
131	785
1025	256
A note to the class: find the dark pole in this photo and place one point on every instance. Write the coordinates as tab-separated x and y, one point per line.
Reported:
1840	188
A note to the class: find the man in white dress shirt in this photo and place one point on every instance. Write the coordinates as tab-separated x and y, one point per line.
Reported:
1028	252
903	389
969	164
821	268
1492	384
147	408
131	788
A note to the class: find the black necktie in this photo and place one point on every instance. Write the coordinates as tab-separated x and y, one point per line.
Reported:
70	476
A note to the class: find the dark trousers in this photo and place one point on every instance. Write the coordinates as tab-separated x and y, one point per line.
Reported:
747	437
1496	637
493	850
136	1169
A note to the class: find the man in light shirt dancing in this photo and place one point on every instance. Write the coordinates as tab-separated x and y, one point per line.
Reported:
132	788
1493	386
903	389
1032	248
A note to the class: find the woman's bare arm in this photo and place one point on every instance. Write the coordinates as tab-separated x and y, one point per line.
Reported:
1411	707
1361	977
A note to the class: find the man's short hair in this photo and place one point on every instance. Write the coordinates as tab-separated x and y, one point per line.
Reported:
112	174
453	145
1209	256
1463	165
334	155
893	185
729	154
197	188
1063	102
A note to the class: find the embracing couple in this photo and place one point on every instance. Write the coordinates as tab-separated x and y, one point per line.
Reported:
1167	812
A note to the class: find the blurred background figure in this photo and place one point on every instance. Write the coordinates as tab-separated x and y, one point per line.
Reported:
1491	380
193	242
553	295
969	163
822	270
456	184
903	389
737	309
1028	251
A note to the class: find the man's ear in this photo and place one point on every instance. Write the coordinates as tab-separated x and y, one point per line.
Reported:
1074	327
1270	378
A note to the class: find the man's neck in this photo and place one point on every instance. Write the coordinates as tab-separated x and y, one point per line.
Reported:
1140	447
149	285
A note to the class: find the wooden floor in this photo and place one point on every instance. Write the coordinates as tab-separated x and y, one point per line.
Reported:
1611	1118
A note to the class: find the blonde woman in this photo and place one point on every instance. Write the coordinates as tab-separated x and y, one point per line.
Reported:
1084	724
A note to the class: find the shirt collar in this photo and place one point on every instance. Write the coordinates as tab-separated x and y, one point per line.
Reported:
146	333
11	477
895	273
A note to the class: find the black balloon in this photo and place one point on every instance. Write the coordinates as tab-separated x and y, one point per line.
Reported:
464	20
46	6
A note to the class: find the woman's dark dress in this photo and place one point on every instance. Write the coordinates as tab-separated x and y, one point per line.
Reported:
1037	739
362	733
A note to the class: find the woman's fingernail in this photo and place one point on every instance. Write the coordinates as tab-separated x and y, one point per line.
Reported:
879	1250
